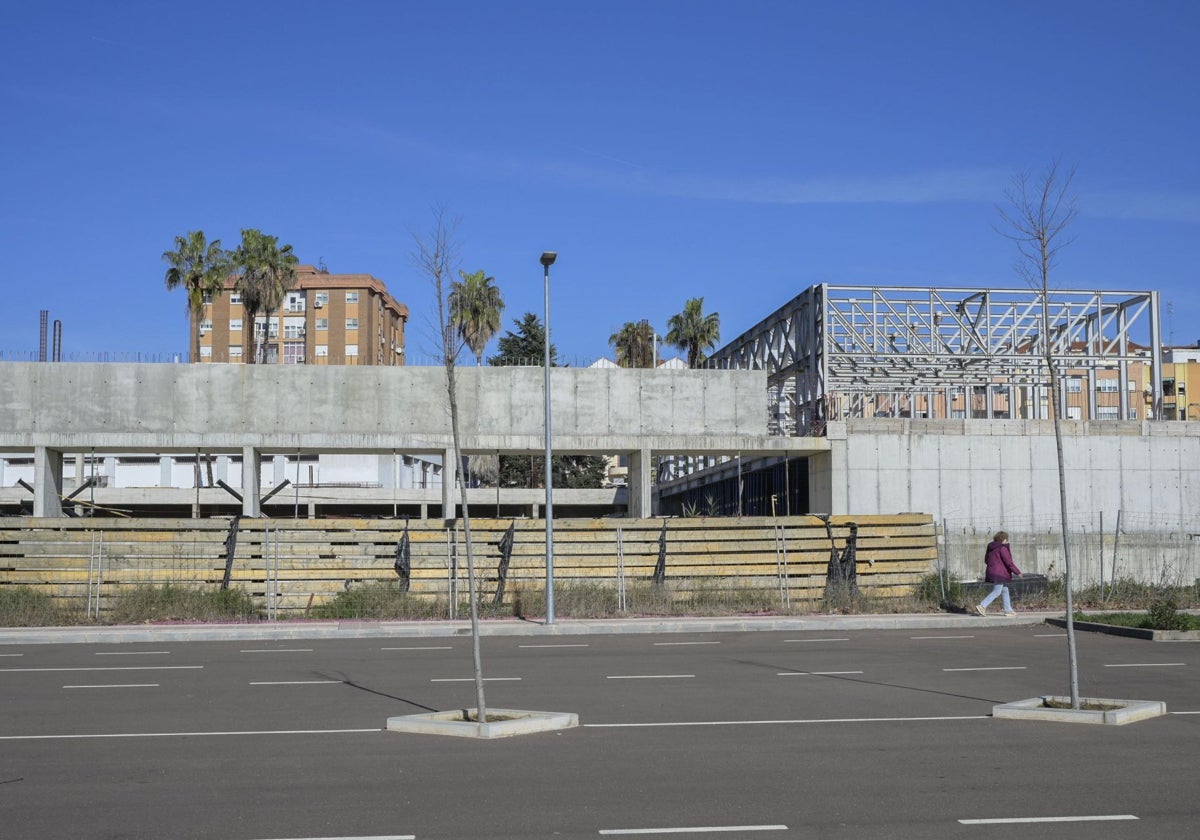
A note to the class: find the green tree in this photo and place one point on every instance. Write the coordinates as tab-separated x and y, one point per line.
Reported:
693	332
527	346
475	307
199	267
266	272
634	345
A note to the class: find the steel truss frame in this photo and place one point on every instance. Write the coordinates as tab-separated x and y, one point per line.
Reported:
852	351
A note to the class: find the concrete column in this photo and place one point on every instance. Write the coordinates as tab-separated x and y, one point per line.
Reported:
165	463
47	481
640	485
449	482
279	470
251	470
828	476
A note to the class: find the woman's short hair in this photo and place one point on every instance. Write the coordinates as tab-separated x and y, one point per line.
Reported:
1001	536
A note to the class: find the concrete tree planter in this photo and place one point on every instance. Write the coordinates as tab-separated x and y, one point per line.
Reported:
501	723
1092	710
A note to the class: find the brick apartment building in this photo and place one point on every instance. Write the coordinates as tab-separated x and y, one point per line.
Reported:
326	319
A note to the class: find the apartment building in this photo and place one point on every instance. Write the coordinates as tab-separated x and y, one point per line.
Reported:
326	319
1181	383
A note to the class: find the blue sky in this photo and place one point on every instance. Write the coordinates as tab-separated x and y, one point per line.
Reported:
739	151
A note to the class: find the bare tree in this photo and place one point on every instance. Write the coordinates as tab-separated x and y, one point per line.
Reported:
436	256
1039	212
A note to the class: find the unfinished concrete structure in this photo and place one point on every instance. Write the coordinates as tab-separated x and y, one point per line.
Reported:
53	410
836	352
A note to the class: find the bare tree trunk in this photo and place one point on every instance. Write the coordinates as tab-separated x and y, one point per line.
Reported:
1039	214
435	256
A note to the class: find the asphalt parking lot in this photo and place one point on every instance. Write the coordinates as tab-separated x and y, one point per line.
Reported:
863	733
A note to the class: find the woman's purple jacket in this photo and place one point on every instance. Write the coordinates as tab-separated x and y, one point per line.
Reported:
999	563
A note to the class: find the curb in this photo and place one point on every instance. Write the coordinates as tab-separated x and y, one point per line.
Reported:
443	629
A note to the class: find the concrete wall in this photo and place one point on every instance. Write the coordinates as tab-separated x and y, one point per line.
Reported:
294	407
1005	471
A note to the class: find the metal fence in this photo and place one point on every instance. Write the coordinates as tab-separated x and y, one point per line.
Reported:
1140	546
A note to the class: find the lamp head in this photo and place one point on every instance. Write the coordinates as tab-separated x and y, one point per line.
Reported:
548	258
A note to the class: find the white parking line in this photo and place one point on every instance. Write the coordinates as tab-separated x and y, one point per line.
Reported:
1006	820
277	650
185	734
126	685
669	644
815	673
374	837
941	637
778	722
816	640
133	653
425	647
551	646
1185	713
1148	665
300	682
472	679
1049	635
994	668
112	668
698	829
12	654
652	677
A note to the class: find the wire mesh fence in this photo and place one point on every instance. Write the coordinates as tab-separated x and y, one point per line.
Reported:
1145	547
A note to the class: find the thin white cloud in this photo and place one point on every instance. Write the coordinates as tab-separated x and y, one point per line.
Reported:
1142	206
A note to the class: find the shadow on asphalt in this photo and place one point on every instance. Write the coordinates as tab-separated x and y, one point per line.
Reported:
347	681
862	681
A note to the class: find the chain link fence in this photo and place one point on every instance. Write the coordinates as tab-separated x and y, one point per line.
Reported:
1145	547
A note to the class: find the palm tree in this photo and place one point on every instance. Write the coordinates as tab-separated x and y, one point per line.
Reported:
267	273
475	307
634	344
200	268
694	332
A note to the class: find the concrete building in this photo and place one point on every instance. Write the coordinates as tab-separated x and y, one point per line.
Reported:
1181	383
327	319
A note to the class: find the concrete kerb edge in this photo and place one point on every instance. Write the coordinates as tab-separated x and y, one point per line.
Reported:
1035	708
450	629
502	723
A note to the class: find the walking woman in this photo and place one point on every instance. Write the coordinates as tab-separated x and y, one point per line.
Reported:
1000	570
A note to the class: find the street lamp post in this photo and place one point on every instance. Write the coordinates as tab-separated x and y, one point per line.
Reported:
548	258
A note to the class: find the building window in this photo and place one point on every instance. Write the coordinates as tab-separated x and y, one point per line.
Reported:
235	324
321	299
351	349
295	302
322	323
235	297
293	352
207	297
205	352
1107	386
1074	385
322	350
1074	412
235	351
1108	412
293	331
351	323
260	324
205	326
351	297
